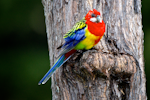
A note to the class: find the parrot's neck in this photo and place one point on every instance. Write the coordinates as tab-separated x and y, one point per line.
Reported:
96	29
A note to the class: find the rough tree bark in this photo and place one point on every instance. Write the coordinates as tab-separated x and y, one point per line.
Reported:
116	70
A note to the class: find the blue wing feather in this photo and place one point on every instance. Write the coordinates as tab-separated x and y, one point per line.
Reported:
78	26
72	41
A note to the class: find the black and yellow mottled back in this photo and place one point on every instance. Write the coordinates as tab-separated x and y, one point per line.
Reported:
78	26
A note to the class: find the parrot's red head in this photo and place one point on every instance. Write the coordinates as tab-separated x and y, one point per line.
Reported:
95	23
93	16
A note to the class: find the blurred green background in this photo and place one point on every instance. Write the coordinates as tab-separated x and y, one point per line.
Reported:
24	55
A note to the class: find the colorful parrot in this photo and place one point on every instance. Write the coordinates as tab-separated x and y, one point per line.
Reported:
83	36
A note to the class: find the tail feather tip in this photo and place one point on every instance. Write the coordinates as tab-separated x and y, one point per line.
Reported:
39	83
43	82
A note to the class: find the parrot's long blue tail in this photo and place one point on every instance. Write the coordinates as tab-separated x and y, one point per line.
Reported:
62	59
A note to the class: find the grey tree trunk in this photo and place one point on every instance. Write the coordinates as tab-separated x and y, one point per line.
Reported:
116	70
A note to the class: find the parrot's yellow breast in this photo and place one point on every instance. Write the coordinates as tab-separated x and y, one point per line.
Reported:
88	42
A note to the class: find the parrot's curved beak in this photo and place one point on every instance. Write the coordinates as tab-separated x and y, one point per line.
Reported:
99	19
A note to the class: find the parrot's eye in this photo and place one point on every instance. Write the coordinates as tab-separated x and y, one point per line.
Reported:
93	15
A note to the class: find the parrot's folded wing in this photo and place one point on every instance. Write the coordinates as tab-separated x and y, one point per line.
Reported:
72	41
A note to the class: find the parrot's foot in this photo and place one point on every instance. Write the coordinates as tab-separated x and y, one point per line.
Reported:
94	49
80	54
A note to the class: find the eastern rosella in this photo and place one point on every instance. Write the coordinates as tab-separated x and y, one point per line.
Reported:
83	36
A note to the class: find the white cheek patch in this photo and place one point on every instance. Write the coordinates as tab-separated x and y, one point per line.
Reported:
93	19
